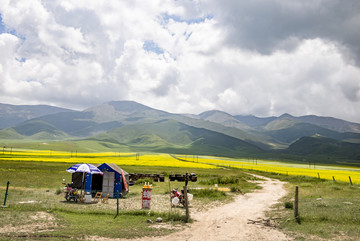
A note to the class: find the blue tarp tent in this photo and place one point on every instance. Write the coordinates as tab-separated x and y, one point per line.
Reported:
113	180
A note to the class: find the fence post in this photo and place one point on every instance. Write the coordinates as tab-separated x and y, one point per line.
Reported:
117	204
296	206
6	193
350	180
170	196
333	178
186	205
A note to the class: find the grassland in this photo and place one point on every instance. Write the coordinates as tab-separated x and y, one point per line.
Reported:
35	190
328	209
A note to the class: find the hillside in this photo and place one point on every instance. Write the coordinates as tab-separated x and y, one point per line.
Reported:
318	146
175	137
223	119
11	115
127	125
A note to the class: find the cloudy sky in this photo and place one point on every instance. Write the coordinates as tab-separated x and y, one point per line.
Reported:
260	57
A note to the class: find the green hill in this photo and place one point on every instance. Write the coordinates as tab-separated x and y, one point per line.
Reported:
175	137
130	126
11	115
326	147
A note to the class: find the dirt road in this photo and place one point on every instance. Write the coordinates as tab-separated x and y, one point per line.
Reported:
231	221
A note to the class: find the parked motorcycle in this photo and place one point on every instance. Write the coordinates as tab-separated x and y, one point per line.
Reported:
71	193
177	198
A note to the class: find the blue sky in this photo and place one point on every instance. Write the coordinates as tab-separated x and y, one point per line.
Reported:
263	58
150	45
2	26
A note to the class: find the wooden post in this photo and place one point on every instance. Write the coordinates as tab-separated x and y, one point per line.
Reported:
319	175
6	194
350	180
296	205
170	197
117	204
333	178
186	205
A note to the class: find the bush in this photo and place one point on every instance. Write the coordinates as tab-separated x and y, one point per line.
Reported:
220	180
58	191
235	189
289	205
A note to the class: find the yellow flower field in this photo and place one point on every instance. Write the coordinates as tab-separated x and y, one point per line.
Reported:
339	173
121	159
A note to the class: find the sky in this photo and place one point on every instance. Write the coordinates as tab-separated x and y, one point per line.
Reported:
249	57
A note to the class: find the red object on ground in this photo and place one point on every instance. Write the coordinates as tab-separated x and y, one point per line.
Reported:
146	198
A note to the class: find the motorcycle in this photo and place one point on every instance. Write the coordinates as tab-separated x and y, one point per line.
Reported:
177	198
71	193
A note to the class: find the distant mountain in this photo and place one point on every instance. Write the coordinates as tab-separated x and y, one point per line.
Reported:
175	137
223	118
128	125
325	122
328	123
11	115
254	121
125	111
298	130
326	147
71	124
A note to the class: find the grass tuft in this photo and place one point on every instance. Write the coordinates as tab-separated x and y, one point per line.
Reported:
289	205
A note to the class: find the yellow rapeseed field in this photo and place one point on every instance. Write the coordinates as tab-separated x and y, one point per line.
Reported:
121	159
339	173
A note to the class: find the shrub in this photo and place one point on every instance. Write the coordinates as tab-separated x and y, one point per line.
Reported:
289	205
235	189
220	180
58	191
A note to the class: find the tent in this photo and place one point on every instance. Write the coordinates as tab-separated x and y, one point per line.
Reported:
113	180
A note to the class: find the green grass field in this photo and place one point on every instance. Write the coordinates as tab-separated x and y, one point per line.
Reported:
34	186
328	210
36	211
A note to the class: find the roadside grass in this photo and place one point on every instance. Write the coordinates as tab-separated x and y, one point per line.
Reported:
75	224
209	194
36	187
327	209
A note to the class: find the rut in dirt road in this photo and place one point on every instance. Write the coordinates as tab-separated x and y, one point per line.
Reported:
231	221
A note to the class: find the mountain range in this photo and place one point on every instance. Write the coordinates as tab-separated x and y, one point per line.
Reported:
130	126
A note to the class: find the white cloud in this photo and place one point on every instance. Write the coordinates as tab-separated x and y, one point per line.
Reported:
206	56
